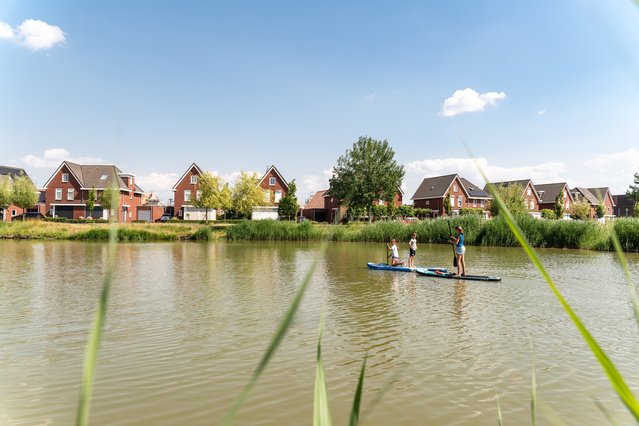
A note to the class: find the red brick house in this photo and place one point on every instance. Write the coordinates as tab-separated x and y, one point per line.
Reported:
548	193
335	211
594	197
315	208
529	194
432	192
186	189
274	186
7	213
67	190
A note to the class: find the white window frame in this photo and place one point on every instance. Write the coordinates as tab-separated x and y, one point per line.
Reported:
427	203
187	195
267	195
278	195
529	192
193	179
70	194
459	201
198	194
532	204
455	188
474	202
65	177
58	194
272	181
14	213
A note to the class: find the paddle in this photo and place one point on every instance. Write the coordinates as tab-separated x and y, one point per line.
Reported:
454	253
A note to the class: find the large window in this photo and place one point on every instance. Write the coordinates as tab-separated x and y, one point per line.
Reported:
70	194
193	180
459	201
65	177
278	196
271	181
58	193
187	195
198	195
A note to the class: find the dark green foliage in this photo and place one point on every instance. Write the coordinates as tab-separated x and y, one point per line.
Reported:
366	173
23	193
559	205
288	206
447	207
633	190
511	195
628	233
469	210
202	234
123	234
600	211
548	214
91	199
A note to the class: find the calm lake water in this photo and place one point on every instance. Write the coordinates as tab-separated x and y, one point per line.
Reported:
188	323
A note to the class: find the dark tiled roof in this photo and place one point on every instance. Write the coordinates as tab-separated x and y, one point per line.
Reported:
584	193
550	191
599	193
523	183
316	201
473	190
11	171
268	171
434	187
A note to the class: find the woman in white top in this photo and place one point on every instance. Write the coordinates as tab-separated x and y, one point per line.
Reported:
394	253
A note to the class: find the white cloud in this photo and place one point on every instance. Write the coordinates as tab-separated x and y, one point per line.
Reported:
34	34
310	184
5	30
51	158
615	170
468	100
158	181
541	112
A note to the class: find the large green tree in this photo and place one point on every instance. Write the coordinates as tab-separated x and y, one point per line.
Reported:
288	206
511	196
559	205
580	210
633	190
210	193
246	194
5	193
109	199
365	173
24	194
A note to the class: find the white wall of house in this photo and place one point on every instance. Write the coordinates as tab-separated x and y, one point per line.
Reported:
264	212
191	213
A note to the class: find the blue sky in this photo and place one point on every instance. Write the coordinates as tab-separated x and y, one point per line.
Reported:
544	90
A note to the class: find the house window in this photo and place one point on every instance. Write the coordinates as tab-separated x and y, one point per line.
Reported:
529	192
483	203
459	201
65	177
564	193
452	201
267	195
278	196
474	202
14	212
532	204
104	177
271	181
193	180
427	203
58	193
187	195
380	202
567	205
198	195
455	188
70	194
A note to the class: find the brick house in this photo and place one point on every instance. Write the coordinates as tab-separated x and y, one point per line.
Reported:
335	210
432	192
185	190
274	186
624	206
67	190
594	197
548	193
7	213
529	194
315	209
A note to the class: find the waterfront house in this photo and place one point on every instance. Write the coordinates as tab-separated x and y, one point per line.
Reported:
314	208
624	206
274	186
67	191
594	197
432	192
548	193
529	194
186	189
335	210
7	175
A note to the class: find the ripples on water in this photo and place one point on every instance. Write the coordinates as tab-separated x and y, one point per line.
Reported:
188	323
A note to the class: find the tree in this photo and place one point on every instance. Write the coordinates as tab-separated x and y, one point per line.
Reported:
559	205
226	199
447	207
580	210
600	210
511	196
109	199
246	194
288	206
366	173
548	214
91	199
633	190
5	192
210	193
24	194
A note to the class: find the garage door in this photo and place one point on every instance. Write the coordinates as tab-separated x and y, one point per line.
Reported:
64	211
144	215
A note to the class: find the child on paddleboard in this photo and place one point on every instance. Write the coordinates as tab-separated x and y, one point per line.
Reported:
460	249
394	253
412	244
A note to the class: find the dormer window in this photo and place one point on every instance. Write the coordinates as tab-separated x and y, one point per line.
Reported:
104	177
193	180
271	181
65	177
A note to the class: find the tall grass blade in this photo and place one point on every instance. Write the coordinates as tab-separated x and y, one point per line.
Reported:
358	396
533	398
95	338
500	418
282	328
624	264
616	379
321	409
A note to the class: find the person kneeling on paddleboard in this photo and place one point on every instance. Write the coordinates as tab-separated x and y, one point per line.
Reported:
460	249
394	253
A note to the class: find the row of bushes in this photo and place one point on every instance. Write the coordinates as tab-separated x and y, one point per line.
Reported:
495	232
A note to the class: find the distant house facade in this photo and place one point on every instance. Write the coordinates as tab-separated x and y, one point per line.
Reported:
274	185
431	194
548	193
7	175
624	206
67	191
187	189
529	194
315	209
594	197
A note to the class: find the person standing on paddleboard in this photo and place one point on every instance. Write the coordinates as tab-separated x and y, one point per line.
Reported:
460	249
412	244
394	253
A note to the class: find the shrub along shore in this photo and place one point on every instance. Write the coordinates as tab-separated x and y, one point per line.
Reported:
574	234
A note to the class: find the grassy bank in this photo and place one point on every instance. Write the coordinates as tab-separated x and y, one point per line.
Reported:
36	229
541	233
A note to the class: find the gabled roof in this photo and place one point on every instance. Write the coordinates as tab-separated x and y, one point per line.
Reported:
474	191
523	183
197	169
548	191
593	195
435	187
268	171
98	176
12	171
316	201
